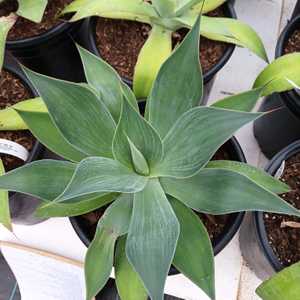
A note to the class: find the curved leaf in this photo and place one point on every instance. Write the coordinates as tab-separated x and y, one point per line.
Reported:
168	90
82	206
32	10
217	192
99	174
45	179
195	138
129	284
245	101
69	104
155	51
42	127
134	10
277	76
260	177
5	219
99	258
284	285
194	255
10	119
153	223
133	126
208	5
165	8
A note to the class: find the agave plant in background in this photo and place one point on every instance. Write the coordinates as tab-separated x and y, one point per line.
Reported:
166	17
154	171
284	285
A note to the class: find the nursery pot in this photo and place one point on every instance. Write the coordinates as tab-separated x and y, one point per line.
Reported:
254	241
280	128
109	292
52	53
22	207
232	225
88	41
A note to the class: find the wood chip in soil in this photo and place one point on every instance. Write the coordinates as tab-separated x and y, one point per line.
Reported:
285	240
13	91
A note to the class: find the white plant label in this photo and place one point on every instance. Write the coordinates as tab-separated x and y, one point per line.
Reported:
14	149
280	171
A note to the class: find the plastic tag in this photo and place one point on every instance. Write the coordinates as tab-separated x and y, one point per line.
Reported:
280	170
14	149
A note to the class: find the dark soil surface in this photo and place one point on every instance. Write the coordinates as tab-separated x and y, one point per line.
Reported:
24	28
13	91
293	44
120	42
215	224
285	240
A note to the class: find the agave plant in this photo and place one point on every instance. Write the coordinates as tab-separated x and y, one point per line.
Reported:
154	171
165	17
32	10
284	285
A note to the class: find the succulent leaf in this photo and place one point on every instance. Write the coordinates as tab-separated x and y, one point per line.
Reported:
32	10
5	219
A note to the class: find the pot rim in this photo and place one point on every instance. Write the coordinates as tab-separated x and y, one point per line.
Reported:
260	228
15	70
221	242
291	98
90	23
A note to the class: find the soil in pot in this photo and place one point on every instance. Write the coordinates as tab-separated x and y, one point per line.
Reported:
24	28
283	231
214	224
120	42
13	91
293	43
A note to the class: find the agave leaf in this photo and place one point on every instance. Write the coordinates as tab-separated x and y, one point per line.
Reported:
184	5
277	76
138	160
99	258
182	94
229	31
165	8
134	10
155	51
195	138
69	104
42	127
133	126
10	119
260	177
32	10
82	206
219	191
5	219
207	6
45	179
105	80
6	23
100	174
129	284
284	285
241	102
153	223
194	255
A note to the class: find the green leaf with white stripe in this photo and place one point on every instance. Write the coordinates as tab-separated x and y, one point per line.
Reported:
69	104
219	191
153	223
99	258
99	174
195	138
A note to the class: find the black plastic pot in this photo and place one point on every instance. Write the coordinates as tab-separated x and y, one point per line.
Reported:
88	41
254	241
22	207
109	292
232	226
52	53
279	129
